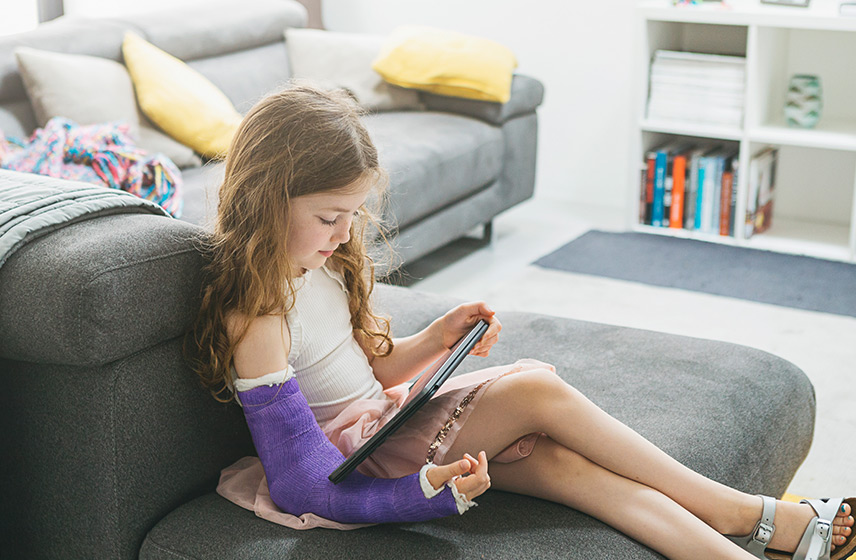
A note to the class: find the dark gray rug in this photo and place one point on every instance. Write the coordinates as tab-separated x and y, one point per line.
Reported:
713	268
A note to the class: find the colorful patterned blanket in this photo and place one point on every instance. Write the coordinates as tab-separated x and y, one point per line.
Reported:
103	154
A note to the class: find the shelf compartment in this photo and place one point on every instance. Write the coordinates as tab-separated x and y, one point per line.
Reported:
782	53
795	237
800	237
830	134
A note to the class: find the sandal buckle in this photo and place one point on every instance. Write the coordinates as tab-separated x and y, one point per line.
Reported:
763	533
823	530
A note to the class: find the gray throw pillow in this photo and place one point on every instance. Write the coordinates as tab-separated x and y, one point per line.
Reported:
92	90
344	60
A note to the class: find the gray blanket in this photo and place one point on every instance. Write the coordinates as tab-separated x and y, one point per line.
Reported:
33	205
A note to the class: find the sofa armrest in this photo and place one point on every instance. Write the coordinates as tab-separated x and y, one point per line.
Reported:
100	289
526	95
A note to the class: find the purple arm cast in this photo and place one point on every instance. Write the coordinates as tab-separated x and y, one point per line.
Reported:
297	458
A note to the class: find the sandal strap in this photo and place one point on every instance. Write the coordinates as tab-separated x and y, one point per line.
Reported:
816	540
756	542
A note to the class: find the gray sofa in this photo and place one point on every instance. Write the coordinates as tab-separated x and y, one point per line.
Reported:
453	166
110	447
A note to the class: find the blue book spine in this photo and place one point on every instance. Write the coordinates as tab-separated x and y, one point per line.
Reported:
702	163
657	210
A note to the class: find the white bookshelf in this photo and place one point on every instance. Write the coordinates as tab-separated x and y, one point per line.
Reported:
815	206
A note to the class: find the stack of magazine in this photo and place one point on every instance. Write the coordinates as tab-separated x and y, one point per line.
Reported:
695	87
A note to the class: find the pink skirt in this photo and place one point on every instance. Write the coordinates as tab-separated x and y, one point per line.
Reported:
427	436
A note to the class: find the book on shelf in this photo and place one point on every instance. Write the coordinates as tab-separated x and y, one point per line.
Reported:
692	187
697	87
648	168
663	161
691	191
728	199
762	184
679	179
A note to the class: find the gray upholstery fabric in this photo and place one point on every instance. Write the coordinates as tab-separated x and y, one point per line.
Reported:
17	118
93	457
262	69
216	28
200	193
433	159
110	286
738	415
515	184
526	94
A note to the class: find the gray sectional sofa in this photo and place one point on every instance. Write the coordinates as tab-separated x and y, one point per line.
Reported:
110	447
453	166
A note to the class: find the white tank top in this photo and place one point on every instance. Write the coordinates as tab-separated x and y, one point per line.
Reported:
331	368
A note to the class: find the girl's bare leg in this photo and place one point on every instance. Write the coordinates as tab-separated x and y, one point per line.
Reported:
539	401
556	473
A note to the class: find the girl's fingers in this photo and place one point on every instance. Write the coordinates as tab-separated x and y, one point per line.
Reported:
473	462
481	468
441	474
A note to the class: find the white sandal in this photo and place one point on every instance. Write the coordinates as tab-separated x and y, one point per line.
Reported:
816	540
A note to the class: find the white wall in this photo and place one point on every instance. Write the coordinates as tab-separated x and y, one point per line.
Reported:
581	51
113	8
17	16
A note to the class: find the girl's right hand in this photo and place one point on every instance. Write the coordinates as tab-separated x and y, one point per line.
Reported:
473	484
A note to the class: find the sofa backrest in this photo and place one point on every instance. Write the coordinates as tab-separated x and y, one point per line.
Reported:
241	51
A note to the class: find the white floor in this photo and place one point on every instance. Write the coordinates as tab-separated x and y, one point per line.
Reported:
821	344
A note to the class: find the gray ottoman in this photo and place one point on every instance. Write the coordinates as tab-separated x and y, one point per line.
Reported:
738	415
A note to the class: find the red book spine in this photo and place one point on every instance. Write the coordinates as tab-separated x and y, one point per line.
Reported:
649	187
725	202
679	176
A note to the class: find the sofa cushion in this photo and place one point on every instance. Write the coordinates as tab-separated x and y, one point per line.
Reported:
179	99
246	76
95	37
242	52
448	63
344	60
710	405
200	193
433	159
92	90
454	156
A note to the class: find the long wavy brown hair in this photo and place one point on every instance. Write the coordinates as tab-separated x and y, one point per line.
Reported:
296	142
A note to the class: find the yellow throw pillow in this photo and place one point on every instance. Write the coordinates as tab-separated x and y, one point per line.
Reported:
180	100
447	63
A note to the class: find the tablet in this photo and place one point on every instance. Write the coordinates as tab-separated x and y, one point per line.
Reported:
420	393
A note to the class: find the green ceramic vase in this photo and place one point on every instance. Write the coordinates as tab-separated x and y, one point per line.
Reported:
804	101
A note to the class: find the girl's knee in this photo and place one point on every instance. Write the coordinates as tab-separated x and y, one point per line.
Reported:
544	382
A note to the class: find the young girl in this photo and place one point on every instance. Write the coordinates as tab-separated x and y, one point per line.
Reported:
287	329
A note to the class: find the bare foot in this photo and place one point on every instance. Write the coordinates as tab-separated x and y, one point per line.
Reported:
791	520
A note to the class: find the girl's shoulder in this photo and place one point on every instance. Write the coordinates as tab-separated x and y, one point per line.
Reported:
264	346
